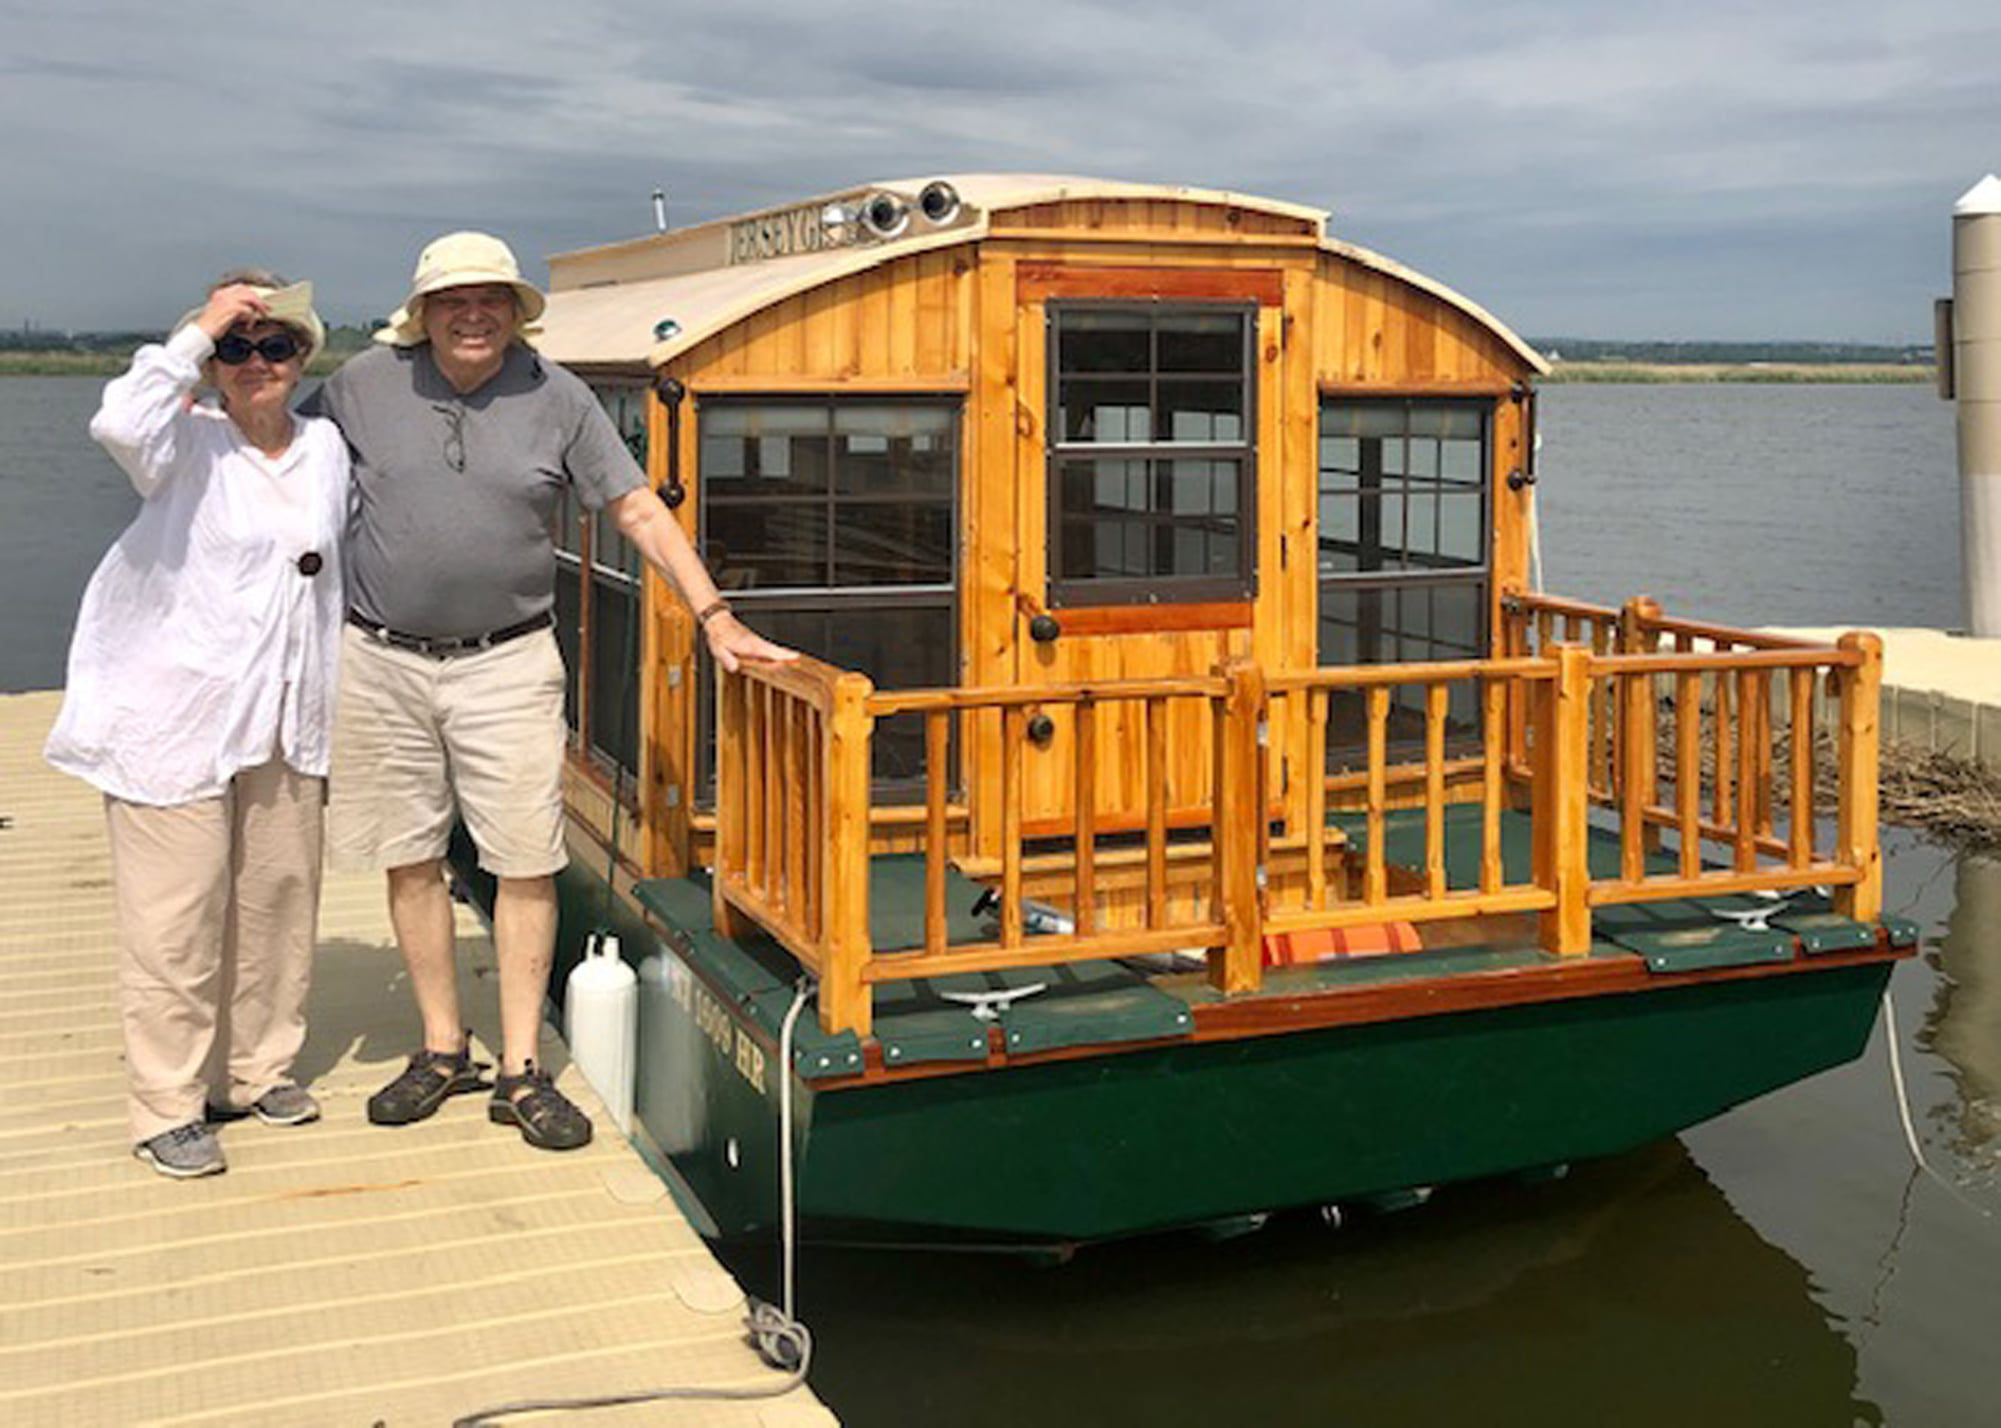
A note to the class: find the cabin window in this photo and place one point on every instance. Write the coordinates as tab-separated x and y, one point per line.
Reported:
832	527
1151	455
597	610
1403	551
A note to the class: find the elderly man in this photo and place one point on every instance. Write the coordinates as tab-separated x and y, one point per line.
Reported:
451	689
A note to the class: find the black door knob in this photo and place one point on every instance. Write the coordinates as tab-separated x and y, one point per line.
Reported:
1043	628
1041	729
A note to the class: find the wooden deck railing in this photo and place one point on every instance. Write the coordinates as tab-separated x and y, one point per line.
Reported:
1496	686
1714	732
1700	741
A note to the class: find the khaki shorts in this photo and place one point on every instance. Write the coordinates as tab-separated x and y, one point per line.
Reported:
419	739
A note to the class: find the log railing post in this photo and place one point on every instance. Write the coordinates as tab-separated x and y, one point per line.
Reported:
732	713
1238	965
1514	644
1640	633
1562	803
844	990
1861	687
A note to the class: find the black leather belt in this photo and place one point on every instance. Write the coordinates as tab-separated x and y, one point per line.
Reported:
439	645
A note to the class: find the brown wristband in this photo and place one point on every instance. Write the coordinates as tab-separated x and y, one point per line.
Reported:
718	607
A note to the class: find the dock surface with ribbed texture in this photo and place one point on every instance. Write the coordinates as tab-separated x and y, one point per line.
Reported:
339	1273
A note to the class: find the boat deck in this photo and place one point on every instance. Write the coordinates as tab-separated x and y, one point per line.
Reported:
339	1273
1037	1010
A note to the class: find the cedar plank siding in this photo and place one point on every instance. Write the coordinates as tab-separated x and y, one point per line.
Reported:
969	319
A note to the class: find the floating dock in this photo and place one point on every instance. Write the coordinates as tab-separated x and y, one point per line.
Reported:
339	1273
1941	691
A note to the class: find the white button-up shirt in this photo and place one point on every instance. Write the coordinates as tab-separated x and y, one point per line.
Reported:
201	648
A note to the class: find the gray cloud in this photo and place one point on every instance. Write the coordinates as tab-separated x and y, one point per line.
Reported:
1707	169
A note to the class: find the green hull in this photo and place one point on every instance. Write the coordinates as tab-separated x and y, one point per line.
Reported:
1131	1141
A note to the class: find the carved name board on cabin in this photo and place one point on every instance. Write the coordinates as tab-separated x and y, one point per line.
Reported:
789	231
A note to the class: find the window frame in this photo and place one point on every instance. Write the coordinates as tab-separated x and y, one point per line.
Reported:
1088	591
1476	577
583	539
830	599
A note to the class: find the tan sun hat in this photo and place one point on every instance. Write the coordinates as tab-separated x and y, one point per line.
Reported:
454	261
291	305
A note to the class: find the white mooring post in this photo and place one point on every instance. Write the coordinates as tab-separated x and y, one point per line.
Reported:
1975	381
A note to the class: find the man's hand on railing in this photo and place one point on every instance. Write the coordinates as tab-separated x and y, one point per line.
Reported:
732	642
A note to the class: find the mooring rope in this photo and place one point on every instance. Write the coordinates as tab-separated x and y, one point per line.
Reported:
1904	1110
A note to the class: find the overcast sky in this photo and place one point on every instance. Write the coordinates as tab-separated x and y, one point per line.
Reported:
1698	169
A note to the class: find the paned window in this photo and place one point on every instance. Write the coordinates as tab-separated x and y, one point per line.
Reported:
1403	554
597	610
832	527
1151	453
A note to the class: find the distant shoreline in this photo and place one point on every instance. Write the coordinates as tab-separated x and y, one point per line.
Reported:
1747	372
105	364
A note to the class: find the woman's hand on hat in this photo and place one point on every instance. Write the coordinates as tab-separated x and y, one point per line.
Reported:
239	302
732	642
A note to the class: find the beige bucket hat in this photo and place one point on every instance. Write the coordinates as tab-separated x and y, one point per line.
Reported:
454	261
291	305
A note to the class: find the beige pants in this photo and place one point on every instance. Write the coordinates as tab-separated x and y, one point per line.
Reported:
218	906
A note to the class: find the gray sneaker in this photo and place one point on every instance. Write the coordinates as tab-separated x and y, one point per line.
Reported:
183	1152
286	1105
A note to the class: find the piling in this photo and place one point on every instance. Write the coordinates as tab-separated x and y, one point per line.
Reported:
1975	364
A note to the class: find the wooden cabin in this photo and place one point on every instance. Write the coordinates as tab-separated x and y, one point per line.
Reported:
1156	548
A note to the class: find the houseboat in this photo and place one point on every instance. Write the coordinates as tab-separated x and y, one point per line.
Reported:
1187	808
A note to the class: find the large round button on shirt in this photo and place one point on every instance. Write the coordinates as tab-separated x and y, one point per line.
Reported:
310	563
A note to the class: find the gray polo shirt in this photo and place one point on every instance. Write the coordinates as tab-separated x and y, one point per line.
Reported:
453	495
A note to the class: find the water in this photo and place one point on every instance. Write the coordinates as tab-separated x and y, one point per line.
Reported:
1781	1265
1773	505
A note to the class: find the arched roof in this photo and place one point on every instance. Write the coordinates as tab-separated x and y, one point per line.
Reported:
648	300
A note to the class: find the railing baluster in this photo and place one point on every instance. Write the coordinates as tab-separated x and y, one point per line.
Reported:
757	782
732	712
1494	699
794	801
1721	781
1084	726
1761	688
1747	771
1603	753
1375	873
1316	796
816	826
1636	698
1156	812
1014	730
1801	735
1436	697
936	752
1688	768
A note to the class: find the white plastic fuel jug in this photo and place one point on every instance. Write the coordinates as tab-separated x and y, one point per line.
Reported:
601	1023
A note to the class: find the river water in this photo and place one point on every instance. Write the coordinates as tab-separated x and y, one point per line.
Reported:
1784	1264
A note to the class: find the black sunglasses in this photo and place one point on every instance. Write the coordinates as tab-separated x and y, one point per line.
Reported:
233	349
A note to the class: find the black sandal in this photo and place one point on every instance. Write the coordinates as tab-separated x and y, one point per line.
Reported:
549	1120
425	1084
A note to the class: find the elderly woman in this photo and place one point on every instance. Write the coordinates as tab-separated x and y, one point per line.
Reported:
199	700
